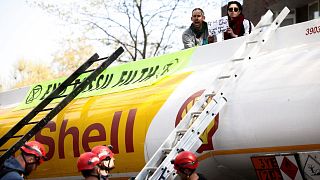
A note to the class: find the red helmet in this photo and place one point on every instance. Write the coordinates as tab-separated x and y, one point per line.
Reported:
87	161
185	160
35	148
102	152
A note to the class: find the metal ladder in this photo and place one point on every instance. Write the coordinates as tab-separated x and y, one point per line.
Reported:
186	135
42	106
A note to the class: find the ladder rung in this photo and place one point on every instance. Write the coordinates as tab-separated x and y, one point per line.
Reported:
194	114
62	96
151	169
102	59
252	42
210	95
17	136
3	150
264	25
90	70
182	131
224	77
166	150
48	109
238	59
35	122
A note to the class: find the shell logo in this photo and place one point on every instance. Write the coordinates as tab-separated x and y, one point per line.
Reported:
207	135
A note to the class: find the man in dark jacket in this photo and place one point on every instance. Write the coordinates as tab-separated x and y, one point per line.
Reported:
197	34
32	155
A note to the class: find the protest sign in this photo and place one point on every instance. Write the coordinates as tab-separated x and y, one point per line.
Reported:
218	26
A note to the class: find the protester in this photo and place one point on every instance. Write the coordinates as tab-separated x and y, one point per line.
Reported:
32	155
186	164
107	159
197	34
88	166
238	25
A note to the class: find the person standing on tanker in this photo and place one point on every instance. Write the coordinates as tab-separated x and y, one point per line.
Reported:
197	34
32	155
238	25
186	164
88	166
107	159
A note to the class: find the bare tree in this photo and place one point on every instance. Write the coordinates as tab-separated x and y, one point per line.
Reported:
72	54
143	28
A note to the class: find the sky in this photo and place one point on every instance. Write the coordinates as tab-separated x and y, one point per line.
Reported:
32	34
26	32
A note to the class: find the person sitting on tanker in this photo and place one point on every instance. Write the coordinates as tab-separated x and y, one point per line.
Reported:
88	166
186	163
32	155
238	25
197	34
107	159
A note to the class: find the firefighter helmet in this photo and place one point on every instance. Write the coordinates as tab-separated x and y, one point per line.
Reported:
102	152
185	160
35	148
87	161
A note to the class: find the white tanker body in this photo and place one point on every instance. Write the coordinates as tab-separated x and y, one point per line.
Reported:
273	108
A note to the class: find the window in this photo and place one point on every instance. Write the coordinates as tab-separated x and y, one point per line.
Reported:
313	10
289	20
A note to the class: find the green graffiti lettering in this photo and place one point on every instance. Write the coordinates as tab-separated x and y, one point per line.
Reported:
151	73
107	81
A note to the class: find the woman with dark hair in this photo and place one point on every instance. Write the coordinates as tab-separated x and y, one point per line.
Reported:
238	25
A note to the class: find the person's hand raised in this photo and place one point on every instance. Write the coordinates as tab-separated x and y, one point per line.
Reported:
230	31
